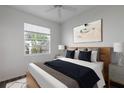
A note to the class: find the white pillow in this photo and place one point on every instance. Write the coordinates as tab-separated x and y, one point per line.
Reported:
94	56
76	54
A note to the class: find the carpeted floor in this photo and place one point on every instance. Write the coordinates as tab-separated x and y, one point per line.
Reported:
21	83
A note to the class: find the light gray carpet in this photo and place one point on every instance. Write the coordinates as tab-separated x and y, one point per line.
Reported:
21	83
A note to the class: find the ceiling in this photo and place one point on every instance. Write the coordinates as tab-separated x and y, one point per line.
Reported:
41	11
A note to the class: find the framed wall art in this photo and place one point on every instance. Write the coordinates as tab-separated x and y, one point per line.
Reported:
90	32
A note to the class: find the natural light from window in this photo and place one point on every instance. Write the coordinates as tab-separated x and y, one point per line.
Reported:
36	39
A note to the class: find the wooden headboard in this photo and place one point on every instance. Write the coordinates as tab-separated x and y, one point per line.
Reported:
104	56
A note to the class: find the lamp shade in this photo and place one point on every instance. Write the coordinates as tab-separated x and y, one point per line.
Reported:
118	47
61	47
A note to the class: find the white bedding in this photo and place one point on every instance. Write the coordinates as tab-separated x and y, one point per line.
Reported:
47	81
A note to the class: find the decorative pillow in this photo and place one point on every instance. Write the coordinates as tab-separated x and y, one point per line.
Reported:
76	54
85	55
70	54
94	56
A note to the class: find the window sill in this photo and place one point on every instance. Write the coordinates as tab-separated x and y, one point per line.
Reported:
38	54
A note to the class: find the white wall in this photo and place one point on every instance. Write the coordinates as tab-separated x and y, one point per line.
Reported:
113	25
13	63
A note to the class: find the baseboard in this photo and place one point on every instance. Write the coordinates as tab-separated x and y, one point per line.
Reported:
115	84
13	79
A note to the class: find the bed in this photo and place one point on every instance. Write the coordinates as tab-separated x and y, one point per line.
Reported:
38	77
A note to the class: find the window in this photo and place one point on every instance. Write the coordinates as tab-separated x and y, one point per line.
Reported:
36	39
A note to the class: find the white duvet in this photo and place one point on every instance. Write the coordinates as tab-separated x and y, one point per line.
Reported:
45	80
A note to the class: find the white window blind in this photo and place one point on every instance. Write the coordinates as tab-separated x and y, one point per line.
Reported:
35	28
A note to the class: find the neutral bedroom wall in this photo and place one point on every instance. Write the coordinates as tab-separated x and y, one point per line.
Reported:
13	62
113	25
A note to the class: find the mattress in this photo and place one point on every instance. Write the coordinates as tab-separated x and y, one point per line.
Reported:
47	81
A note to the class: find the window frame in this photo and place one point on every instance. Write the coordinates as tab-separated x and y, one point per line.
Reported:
33	54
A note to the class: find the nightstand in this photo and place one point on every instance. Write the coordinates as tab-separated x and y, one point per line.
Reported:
116	74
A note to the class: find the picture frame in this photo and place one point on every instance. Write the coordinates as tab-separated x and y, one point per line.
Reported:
89	32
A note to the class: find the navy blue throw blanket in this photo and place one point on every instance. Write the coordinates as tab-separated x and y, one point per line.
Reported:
85	76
